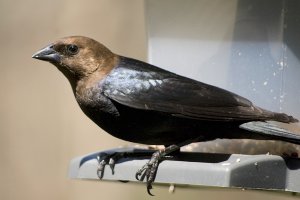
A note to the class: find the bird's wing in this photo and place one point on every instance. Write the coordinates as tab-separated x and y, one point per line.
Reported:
151	88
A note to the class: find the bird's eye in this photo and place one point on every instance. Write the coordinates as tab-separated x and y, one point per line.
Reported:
72	49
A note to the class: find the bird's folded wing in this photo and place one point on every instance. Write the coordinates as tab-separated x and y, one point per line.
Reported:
179	96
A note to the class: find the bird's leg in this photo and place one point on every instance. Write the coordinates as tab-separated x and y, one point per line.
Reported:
150	168
111	159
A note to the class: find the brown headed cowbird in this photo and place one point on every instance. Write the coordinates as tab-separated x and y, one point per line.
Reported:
138	102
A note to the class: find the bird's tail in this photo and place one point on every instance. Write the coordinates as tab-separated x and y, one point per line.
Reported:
273	130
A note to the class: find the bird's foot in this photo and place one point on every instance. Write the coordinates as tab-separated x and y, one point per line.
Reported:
149	170
110	159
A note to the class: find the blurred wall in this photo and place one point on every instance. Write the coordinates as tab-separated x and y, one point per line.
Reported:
41	126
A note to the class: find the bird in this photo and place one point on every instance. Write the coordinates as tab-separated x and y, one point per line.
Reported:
142	103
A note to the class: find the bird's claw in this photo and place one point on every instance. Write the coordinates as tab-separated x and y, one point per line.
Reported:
104	159
149	171
112	163
149	187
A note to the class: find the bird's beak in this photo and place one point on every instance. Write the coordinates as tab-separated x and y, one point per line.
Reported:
47	54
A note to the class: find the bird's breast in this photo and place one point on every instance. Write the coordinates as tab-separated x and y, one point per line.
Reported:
92	100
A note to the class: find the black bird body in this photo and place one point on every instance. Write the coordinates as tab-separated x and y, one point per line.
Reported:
138	102
141	103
